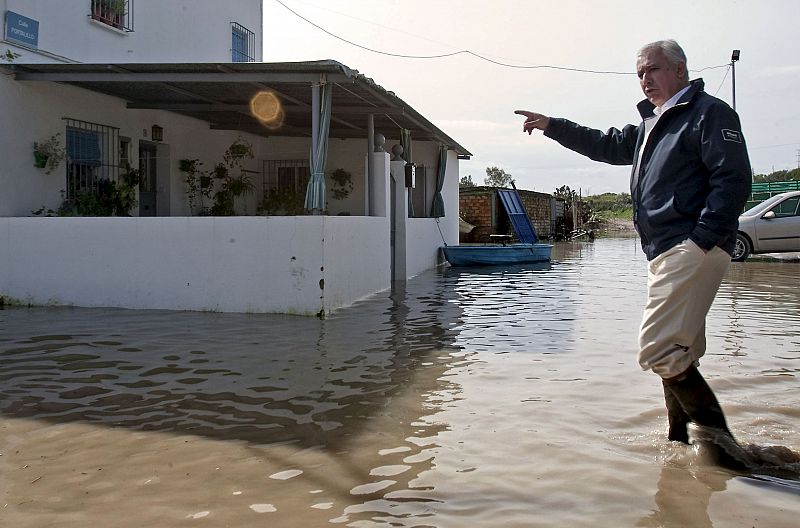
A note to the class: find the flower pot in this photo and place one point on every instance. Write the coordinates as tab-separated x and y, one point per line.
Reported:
41	160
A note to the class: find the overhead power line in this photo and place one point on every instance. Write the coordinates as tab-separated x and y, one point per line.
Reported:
473	54
723	80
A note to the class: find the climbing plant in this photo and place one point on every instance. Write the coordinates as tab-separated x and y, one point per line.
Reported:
342	184
221	185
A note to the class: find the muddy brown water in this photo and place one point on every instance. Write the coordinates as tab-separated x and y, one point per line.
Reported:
470	398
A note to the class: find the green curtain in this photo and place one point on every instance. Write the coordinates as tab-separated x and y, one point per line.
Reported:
315	192
405	142
437	208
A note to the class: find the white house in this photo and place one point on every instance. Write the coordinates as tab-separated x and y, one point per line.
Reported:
132	84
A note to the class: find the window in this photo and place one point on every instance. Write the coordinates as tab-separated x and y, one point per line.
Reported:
286	175
114	13
787	208
124	152
93	156
421	195
284	187
243	44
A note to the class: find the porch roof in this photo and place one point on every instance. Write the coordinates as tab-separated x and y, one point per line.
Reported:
220	94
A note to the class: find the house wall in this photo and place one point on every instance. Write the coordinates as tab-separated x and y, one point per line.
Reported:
539	207
300	265
476	207
164	31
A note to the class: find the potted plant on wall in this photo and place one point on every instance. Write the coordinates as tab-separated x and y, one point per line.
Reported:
117	8
342	184
48	154
110	12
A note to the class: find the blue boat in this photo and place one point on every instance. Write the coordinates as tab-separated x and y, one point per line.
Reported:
487	255
529	249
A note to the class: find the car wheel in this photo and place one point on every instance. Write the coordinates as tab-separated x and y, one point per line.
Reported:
742	249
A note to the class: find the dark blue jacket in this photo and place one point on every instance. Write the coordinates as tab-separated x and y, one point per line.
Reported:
694	177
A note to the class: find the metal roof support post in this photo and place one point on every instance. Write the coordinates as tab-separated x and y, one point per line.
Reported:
370	162
315	109
315	106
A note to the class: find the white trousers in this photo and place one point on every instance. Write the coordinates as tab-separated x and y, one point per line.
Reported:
681	285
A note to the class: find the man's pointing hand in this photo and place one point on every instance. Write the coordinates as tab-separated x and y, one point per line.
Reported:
533	121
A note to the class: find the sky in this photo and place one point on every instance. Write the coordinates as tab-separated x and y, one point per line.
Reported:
473	100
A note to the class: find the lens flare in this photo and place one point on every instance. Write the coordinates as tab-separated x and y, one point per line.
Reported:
266	107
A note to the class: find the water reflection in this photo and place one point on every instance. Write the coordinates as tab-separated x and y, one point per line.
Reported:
226	376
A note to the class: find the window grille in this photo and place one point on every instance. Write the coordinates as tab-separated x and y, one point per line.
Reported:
286	175
243	44
114	13
92	156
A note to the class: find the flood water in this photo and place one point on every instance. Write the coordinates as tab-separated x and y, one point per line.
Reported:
474	398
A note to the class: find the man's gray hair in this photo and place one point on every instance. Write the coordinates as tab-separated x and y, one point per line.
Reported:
671	50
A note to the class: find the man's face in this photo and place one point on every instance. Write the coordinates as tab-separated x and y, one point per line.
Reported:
659	79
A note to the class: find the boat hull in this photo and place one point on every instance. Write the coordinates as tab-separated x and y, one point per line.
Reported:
497	255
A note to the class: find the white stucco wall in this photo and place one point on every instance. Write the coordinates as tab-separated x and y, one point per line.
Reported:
298	265
164	31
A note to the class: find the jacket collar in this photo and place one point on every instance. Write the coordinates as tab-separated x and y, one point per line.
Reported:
646	107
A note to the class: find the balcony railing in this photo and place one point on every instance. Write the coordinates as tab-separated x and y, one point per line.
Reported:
243	44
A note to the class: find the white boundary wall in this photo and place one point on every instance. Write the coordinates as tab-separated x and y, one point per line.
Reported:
297	265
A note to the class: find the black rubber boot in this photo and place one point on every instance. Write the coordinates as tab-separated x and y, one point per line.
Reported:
678	419
710	430
697	399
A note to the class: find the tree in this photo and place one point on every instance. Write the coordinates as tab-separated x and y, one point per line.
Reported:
566	194
497	177
778	176
466	181
612	202
571	199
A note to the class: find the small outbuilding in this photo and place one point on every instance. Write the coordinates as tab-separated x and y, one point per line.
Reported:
481	207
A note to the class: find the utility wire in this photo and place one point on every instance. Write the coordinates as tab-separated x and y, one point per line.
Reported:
472	53
723	80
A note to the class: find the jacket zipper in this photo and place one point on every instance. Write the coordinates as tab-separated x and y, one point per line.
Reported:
640	167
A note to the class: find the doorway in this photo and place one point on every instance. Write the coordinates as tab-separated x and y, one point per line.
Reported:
149	179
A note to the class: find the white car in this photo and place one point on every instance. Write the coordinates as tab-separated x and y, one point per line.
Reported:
773	226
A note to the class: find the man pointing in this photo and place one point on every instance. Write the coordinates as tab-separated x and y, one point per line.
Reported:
690	181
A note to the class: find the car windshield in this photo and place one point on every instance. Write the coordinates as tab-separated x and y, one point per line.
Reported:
764	206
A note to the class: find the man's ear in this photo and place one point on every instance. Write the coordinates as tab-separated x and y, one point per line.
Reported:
681	70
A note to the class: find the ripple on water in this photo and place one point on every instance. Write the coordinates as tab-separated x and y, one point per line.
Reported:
263	508
286	475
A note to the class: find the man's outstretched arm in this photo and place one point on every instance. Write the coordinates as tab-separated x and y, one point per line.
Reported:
614	146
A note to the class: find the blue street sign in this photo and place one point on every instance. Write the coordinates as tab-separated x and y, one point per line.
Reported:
22	30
